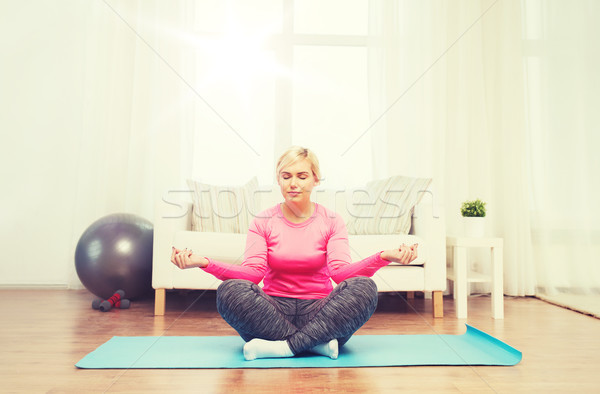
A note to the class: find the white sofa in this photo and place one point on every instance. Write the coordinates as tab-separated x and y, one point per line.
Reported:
173	227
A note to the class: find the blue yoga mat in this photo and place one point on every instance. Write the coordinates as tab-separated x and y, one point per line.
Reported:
472	348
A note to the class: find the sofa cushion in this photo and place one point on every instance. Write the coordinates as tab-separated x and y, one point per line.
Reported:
363	246
226	209
385	206
226	247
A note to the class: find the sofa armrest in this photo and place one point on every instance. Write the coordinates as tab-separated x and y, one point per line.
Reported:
170	216
428	223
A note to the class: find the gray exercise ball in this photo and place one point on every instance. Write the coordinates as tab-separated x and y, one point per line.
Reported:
115	253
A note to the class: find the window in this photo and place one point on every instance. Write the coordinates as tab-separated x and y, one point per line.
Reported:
275	73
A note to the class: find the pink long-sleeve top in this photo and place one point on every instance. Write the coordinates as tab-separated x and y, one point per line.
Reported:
297	260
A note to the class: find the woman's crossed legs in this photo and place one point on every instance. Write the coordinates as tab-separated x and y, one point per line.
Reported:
284	327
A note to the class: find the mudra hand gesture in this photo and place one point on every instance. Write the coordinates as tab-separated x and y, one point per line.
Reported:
403	255
185	258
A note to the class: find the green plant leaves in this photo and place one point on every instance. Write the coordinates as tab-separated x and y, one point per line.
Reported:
475	208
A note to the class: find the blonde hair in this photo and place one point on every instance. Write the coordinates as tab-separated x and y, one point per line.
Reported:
295	153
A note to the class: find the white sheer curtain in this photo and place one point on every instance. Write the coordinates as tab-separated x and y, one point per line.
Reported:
131	145
213	91
158	92
563	84
270	74
452	93
89	126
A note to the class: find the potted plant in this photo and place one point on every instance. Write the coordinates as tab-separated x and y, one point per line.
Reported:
473	213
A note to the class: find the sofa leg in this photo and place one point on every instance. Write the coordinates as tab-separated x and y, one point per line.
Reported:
159	302
438	304
410	295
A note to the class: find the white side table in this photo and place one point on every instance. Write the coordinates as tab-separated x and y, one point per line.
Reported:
459	275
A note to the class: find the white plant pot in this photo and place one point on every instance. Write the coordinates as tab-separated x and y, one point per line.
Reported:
474	226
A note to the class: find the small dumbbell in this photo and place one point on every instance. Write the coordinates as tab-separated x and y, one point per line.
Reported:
116	301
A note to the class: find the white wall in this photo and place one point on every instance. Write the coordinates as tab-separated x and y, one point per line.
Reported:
40	120
82	136
76	122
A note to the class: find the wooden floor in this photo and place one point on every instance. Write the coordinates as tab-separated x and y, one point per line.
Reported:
45	332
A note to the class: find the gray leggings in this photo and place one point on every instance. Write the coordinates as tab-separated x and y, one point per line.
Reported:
303	323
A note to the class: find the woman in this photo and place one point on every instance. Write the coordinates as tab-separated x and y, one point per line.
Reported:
296	247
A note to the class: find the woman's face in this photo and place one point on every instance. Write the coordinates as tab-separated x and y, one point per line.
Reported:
297	181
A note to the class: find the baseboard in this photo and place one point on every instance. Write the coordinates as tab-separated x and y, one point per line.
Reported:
29	286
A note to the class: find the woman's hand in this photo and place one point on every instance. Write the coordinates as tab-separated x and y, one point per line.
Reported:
186	259
403	255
